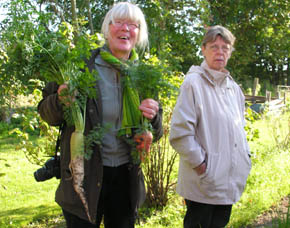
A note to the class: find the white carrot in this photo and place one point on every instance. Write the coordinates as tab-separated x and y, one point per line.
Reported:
77	155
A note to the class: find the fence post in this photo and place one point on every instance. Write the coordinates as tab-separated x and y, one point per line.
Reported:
256	81
268	95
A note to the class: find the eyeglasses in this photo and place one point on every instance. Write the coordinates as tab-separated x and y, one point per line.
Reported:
215	48
130	25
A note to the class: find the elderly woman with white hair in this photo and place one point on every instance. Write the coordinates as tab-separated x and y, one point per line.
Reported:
207	130
113	183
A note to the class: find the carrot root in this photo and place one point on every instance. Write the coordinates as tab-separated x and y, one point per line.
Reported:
77	170
143	142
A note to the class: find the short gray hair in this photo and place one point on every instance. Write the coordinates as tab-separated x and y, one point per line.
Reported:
221	31
126	10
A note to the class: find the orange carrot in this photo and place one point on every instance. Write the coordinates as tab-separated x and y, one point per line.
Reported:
143	141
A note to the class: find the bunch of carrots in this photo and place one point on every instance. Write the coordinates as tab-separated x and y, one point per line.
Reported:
132	116
143	143
148	80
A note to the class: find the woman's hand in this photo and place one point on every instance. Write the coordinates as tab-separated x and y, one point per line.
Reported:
201	168
64	99
149	108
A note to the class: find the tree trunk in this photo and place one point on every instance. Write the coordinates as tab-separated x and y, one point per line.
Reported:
90	16
74	16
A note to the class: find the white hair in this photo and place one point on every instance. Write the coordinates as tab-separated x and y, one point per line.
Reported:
126	10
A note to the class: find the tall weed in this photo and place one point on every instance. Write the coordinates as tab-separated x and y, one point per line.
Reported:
283	220
279	126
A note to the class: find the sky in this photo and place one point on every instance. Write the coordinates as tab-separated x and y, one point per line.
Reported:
2	11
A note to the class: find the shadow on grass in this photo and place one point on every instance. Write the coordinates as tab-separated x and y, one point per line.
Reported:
40	216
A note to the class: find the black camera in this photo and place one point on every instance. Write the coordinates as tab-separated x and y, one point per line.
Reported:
50	169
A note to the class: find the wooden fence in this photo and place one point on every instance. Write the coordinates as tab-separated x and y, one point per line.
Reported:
276	103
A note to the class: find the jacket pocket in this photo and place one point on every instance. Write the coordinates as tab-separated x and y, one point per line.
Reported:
214	182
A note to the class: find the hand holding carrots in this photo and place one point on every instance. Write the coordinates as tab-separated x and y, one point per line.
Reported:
65	99
149	108
144	141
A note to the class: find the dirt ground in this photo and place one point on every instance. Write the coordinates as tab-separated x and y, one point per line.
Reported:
267	219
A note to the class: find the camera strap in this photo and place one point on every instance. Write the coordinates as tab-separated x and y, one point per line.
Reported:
58	141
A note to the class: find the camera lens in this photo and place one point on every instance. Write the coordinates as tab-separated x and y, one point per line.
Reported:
41	174
46	172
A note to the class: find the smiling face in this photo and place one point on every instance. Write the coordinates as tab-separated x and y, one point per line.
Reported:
123	36
217	53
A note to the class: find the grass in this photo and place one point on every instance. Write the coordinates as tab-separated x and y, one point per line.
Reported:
27	203
269	178
22	199
266	185
170	216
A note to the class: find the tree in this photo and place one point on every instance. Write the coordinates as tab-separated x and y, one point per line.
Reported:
262	32
176	29
175	33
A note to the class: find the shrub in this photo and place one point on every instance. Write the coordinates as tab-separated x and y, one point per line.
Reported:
158	170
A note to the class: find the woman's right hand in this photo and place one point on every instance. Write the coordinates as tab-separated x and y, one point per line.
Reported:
63	98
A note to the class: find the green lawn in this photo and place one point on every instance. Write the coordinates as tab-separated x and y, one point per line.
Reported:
22	199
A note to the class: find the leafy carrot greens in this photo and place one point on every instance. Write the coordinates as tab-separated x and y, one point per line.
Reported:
60	57
141	80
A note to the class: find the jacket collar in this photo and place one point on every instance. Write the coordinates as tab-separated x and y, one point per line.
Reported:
216	78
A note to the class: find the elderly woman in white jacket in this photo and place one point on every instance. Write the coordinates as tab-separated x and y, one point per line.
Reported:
207	130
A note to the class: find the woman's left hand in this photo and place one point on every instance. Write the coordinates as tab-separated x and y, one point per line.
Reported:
149	108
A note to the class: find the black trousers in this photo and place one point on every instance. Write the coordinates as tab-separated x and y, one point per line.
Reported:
114	206
200	215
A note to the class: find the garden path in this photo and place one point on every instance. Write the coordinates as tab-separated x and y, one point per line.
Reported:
268	218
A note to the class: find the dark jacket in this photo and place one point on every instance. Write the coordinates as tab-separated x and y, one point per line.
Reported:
51	111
